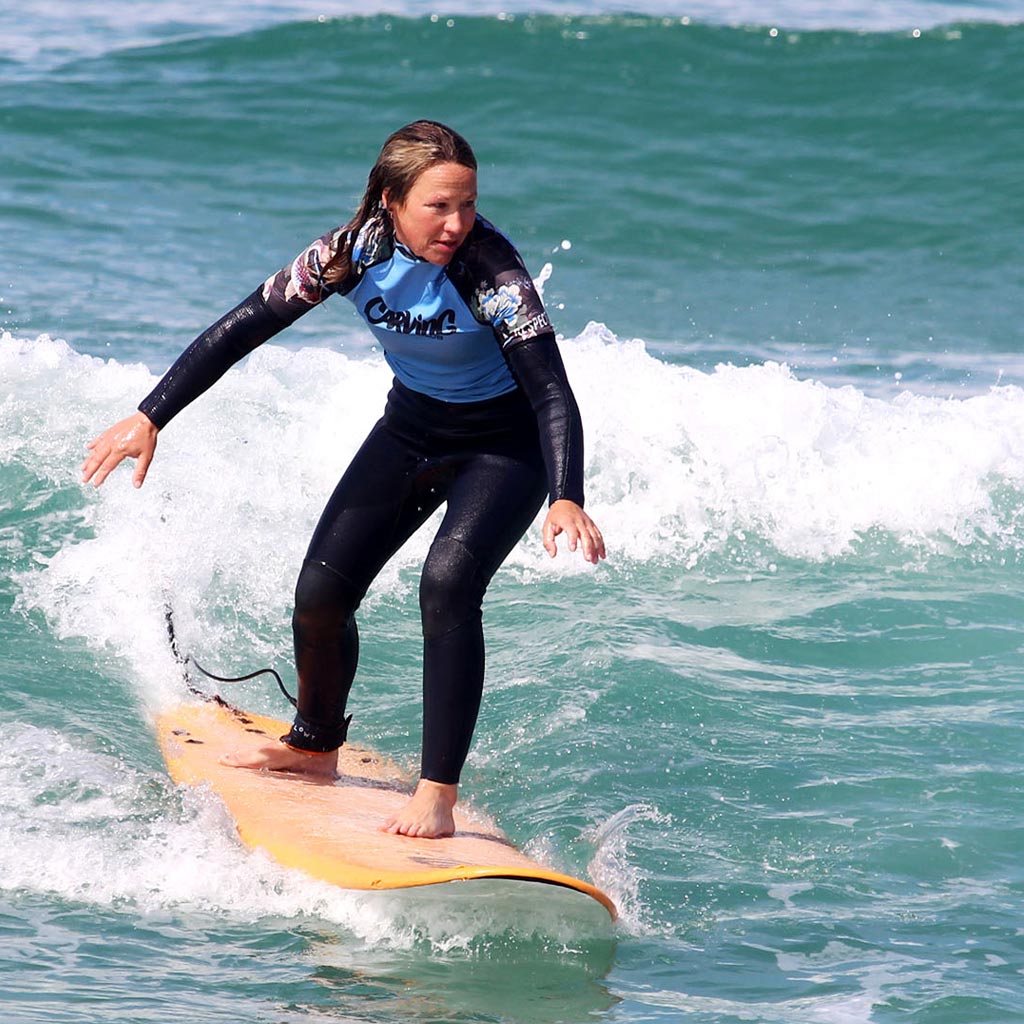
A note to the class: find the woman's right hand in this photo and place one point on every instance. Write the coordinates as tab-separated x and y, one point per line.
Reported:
132	438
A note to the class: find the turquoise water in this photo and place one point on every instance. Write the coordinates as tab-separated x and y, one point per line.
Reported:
780	726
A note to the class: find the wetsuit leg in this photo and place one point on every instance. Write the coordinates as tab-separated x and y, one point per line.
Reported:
491	503
384	496
326	655
396	480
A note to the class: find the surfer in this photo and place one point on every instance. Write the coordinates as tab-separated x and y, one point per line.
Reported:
480	416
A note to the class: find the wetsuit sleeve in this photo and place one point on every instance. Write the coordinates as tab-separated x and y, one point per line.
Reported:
537	366
283	298
496	286
211	355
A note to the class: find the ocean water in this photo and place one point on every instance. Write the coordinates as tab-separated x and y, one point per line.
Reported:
780	725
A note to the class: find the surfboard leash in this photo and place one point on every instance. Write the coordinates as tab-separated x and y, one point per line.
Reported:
241	679
189	659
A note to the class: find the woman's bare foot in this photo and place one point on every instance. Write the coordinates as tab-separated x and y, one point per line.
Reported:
428	814
276	757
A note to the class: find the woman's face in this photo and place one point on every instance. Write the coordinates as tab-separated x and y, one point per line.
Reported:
438	213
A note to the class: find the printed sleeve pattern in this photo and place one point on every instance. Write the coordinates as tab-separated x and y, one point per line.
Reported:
300	285
498	288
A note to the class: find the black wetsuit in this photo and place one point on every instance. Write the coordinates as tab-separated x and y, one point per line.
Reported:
480	417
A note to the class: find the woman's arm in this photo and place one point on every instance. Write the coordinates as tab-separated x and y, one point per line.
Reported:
211	355
277	303
203	363
537	365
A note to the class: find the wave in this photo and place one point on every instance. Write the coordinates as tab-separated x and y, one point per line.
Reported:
698	479
830	188
684	468
736	750
92	28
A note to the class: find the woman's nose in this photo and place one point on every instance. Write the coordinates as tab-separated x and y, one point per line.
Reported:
459	222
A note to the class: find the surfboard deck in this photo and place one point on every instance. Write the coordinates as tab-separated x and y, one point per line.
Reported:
331	829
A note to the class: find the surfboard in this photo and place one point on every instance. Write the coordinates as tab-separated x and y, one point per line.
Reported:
331	829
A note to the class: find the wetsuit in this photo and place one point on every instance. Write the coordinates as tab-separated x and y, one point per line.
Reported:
480	416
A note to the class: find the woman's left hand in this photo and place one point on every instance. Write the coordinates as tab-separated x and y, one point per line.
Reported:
567	517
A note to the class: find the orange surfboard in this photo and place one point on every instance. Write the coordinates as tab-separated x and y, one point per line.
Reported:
331	830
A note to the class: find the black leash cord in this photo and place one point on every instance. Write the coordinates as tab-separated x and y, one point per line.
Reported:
184	661
241	679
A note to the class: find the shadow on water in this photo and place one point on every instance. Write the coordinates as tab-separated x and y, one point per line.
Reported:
99	962
509	981
492	952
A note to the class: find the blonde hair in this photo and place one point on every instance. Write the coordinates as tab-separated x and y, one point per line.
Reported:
405	155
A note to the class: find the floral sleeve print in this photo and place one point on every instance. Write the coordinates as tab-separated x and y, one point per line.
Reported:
374	244
299	285
513	309
497	286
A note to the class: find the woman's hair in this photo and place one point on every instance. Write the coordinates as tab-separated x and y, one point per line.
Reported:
403	158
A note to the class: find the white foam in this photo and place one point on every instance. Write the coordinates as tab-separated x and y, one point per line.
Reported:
683	469
223	519
682	464
81	825
613	867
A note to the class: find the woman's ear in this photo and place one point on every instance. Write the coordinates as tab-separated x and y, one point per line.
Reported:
384	199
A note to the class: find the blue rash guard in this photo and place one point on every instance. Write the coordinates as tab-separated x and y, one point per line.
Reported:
442	328
468	332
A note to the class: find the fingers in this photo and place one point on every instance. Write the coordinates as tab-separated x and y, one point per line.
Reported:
551	530
591	541
92	462
134	437
106	457
580	531
99	465
142	468
593	544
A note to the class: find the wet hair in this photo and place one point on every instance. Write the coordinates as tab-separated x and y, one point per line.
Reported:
405	155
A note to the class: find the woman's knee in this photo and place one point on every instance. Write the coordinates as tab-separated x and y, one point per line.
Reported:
324	600
451	587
